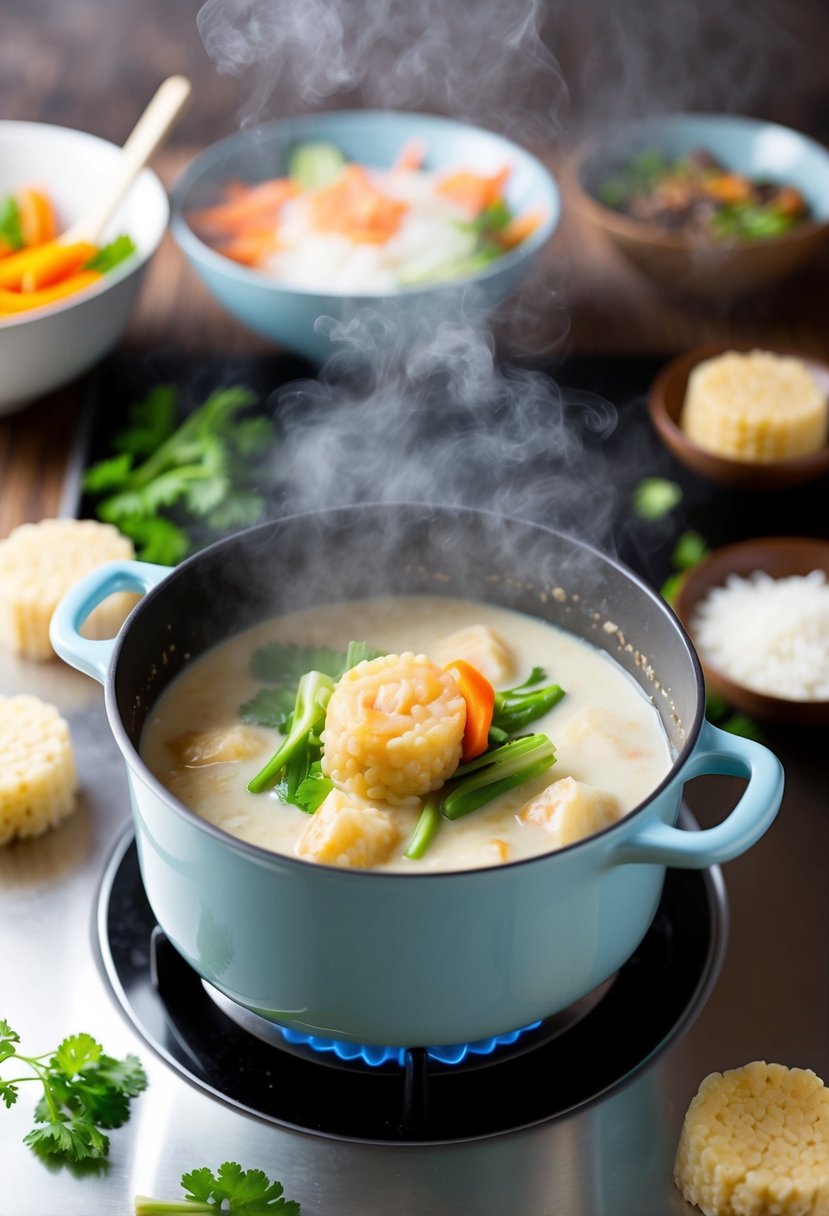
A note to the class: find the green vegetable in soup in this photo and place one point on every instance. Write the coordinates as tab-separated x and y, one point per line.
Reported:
425	829
495	772
312	697
516	707
315	164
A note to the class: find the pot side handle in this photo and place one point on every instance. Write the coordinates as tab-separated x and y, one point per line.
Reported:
89	656
730	755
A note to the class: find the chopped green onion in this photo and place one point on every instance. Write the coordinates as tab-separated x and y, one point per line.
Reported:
312	696
689	550
427	826
492	774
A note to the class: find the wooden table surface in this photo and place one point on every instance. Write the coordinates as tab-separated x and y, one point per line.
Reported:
591	301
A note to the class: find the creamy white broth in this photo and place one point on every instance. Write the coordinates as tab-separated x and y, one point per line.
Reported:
607	734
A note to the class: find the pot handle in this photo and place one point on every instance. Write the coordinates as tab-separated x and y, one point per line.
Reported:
89	656
730	755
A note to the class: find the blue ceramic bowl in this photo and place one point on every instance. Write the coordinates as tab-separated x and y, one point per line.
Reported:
409	959
289	315
746	145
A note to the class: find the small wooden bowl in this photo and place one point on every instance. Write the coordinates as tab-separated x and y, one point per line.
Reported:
779	557
667	397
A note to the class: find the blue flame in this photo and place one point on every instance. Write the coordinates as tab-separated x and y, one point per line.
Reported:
454	1053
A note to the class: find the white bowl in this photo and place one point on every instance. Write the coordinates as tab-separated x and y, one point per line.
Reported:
44	349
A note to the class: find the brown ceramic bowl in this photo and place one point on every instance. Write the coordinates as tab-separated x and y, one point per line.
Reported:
667	397
714	270
779	557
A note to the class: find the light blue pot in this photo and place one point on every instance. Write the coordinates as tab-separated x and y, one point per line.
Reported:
402	959
290	316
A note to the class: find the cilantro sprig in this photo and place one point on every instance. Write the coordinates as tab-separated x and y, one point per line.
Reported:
84	1091
231	1190
170	487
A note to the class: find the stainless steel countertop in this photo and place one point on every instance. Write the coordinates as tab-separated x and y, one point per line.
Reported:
771	1002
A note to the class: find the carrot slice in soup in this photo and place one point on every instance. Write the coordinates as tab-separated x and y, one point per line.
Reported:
352	206
411	155
520	228
255	204
473	191
479	696
250	248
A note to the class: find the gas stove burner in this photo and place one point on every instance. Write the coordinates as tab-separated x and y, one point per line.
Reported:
452	1054
353	1055
339	1053
414	1096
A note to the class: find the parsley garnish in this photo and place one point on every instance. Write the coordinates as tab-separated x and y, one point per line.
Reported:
231	1189
112	255
170	487
84	1090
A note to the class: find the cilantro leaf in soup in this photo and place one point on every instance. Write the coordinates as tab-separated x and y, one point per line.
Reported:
285	663
270	707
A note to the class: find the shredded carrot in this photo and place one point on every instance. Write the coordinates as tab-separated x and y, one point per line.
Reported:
411	155
257	204
479	696
12	302
37	219
250	248
472	191
520	228
353	206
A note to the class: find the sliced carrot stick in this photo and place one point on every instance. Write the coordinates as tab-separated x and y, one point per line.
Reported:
520	228
479	696
250	248
260	202
411	155
473	191
55	263
44	264
37	219
14	302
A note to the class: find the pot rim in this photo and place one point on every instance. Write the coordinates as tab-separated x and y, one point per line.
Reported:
259	853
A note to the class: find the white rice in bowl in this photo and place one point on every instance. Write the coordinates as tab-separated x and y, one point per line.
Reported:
769	635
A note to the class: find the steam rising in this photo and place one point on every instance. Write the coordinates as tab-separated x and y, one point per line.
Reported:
433	418
478	61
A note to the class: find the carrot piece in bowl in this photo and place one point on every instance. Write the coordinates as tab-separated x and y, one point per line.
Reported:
32	269
519	229
473	191
37	219
13	302
257	204
250	248
354	207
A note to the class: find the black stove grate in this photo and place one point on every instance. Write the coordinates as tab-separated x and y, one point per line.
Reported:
651	1001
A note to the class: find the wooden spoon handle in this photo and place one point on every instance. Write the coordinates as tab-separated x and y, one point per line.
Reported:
147	134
